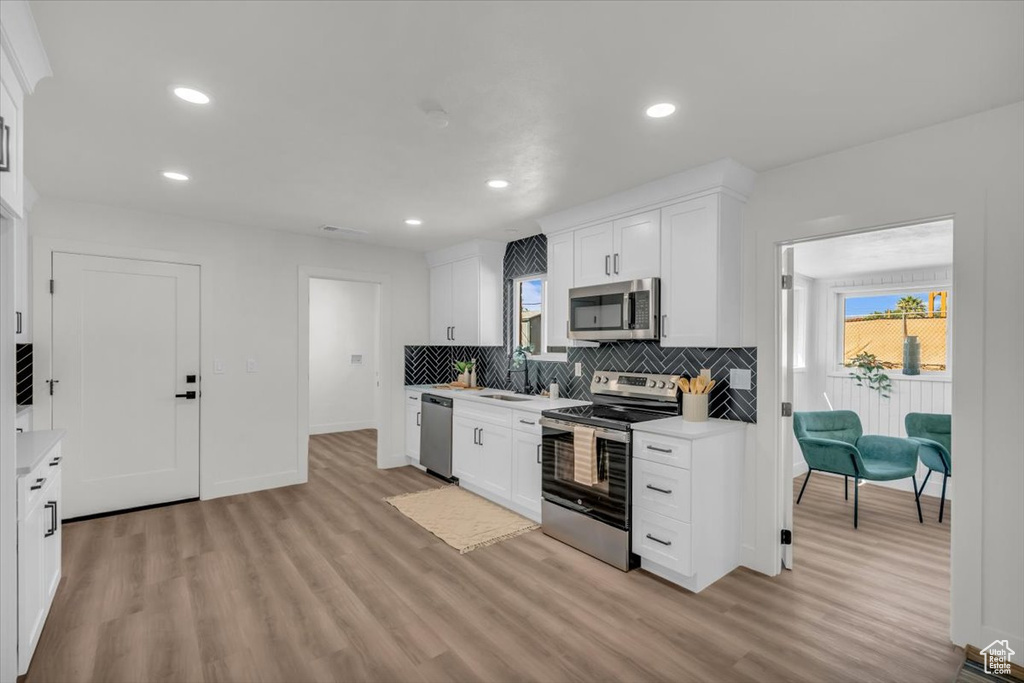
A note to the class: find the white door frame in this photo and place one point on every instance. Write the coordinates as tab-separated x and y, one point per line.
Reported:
43	249
784	370
383	280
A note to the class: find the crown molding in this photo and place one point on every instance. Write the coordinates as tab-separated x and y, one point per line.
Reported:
483	248
20	41
722	175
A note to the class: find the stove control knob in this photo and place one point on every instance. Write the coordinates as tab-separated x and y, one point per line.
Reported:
661	385
606	379
652	384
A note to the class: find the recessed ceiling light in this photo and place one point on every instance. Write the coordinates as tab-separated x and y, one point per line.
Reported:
413	221
192	95
661	110
174	175
497	184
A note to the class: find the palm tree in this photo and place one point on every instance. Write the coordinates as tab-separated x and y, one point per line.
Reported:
910	304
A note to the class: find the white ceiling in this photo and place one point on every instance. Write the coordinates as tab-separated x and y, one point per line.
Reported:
914	247
318	106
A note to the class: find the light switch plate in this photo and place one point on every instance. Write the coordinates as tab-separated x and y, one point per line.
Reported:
739	379
251	365
579	369
218	366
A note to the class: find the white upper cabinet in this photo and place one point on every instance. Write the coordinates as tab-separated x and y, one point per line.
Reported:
624	249
594	248
700	272
441	304
466	294
636	246
560	280
684	228
12	183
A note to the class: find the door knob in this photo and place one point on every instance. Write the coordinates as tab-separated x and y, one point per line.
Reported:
187	394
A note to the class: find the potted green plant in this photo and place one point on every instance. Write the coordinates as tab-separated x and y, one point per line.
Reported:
868	371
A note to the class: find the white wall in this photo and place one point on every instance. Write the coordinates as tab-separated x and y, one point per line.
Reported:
342	323
249	300
971	169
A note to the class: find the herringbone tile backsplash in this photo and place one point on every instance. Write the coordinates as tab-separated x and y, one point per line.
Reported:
435	365
528	256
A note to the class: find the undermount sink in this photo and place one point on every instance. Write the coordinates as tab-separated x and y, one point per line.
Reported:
507	397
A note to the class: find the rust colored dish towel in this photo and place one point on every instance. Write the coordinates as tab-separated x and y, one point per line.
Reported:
584	456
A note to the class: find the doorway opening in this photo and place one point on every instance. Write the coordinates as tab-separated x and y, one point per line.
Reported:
344	365
865	324
343	370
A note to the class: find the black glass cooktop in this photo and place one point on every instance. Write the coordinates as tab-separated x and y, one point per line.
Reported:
607	415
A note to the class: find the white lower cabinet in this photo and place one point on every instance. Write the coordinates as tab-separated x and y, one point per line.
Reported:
686	502
413	419
496	454
39	550
526	473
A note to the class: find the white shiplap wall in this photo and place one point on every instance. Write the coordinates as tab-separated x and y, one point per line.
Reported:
878	415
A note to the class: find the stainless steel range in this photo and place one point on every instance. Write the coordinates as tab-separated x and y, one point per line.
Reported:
587	462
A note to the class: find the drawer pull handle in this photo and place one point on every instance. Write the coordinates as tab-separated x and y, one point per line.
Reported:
55	461
655	488
539	447
659	449
526	422
658	540
38	485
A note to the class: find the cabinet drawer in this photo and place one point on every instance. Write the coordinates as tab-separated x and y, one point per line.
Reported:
412	398
662	489
663	540
478	412
31	485
526	422
667	451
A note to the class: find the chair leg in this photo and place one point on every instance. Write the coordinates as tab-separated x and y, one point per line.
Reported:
923	484
846	487
806	479
917	499
942	501
856	501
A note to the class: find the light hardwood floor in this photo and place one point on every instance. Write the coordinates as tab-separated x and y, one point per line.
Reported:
326	582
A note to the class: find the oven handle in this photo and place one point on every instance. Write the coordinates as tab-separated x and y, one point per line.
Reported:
606	434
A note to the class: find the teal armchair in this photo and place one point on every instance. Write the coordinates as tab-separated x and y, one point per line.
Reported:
833	441
932	432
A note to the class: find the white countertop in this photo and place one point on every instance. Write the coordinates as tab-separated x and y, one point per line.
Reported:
33	447
536	404
678	428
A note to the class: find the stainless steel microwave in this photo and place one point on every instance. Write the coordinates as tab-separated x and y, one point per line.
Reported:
616	311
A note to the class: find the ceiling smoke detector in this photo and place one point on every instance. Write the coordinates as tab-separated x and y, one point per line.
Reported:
335	230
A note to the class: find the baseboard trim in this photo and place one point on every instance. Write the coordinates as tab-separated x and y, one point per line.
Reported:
335	427
124	511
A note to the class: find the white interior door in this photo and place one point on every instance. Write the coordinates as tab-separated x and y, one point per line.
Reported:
125	336
785	325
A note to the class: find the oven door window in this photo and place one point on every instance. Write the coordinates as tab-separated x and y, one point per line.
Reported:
598	312
608	498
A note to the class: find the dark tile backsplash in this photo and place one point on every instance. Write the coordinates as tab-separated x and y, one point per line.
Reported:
434	365
529	256
23	374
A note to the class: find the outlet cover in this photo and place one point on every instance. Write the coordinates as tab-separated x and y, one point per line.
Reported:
218	366
579	369
739	379
251	365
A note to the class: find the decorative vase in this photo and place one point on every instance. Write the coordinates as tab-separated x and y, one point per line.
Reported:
464	377
911	355
472	375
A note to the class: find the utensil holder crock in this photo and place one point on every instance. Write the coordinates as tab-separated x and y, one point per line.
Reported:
695	407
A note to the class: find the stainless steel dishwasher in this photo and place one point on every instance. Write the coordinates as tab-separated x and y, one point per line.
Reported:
436	435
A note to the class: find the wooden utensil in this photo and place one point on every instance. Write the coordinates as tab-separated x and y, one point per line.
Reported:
709	387
684	385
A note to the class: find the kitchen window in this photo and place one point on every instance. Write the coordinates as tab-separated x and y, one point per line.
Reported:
877	321
528	313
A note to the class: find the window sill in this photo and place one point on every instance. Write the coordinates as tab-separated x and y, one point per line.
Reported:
897	376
